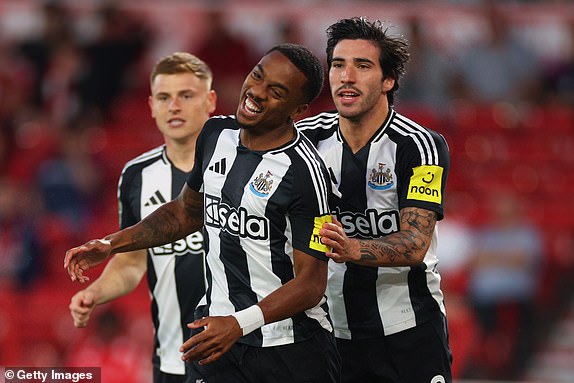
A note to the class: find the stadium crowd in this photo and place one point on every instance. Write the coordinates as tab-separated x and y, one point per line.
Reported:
498	84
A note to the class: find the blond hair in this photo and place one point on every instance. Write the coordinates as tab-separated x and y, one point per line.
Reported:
182	62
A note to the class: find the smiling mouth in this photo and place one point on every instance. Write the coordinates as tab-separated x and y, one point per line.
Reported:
348	94
250	107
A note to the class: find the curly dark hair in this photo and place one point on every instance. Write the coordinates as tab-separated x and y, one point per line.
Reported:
394	49
308	64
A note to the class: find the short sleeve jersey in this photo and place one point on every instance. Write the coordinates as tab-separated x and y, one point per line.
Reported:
259	207
402	165
175	272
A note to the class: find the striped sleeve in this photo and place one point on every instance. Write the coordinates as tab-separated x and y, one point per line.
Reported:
310	206
424	165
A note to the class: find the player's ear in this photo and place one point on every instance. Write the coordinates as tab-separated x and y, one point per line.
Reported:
299	111
388	84
150	104
211	101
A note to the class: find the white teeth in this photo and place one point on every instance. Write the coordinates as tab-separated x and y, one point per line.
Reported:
251	107
176	122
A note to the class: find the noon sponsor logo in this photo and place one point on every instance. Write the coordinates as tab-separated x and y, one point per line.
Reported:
315	242
235	221
434	193
425	184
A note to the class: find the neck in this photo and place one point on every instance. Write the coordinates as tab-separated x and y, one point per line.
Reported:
181	154
267	140
357	131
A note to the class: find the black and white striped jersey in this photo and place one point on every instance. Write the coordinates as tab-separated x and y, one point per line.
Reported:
175	272
403	165
259	207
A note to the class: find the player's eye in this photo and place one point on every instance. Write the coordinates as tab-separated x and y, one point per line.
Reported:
256	75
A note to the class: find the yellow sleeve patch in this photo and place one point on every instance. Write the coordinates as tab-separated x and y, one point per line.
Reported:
315	242
425	184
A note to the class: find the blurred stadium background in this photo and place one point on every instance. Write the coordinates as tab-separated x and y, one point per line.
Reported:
496	78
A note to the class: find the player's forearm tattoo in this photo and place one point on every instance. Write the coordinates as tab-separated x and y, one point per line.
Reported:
193	205
402	247
163	226
173	221
422	220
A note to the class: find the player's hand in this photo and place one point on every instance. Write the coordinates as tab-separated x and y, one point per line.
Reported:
80	259
344	249
81	306
220	333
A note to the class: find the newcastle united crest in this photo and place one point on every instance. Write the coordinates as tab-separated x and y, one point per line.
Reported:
381	178
261	185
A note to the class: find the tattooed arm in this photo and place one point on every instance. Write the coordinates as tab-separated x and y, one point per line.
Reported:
170	222
404	248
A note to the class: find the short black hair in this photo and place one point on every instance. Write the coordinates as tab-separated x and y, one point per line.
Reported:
394	49
308	64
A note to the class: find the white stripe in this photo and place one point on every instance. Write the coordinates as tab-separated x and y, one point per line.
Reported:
393	300
318	181
422	131
213	184
426	152
421	137
145	156
416	140
323	120
314	157
262	279
320	315
169	332
141	158
222	116
317	160
335	293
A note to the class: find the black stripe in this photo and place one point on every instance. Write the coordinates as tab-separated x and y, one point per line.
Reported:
160	197
152	280
360	295
352	183
223	168
190	287
208	275
231	252
280	261
178	179
424	305
359	286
